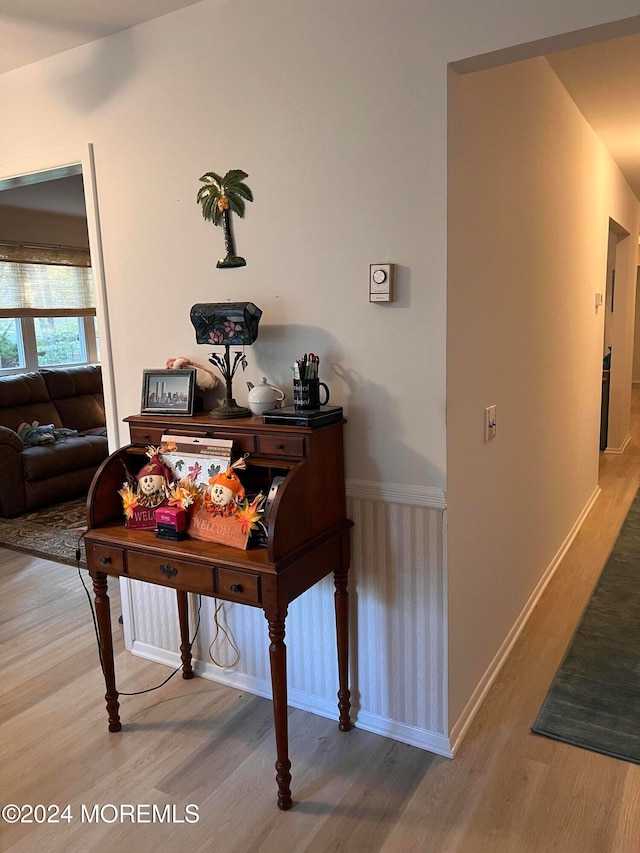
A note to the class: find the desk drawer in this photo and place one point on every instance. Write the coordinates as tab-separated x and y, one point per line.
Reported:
281	445
169	572
238	586
146	435
105	558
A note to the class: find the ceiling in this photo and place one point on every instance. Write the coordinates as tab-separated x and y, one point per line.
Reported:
62	194
603	79
31	30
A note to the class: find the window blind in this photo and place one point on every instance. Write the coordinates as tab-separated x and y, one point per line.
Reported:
50	287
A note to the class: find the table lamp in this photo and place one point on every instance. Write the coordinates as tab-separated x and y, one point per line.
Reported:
227	324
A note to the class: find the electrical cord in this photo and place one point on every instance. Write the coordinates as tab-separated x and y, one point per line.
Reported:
220	628
97	633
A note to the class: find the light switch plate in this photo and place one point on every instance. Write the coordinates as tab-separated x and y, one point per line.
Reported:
489	423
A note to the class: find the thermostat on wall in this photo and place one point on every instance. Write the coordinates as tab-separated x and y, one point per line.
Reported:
382	282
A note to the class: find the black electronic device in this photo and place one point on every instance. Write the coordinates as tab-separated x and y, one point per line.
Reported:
290	416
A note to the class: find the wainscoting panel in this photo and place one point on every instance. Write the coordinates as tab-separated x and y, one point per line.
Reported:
397	605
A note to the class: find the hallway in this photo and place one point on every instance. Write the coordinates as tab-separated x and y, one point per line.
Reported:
507	790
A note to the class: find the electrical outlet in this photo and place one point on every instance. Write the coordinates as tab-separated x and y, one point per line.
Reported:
489	423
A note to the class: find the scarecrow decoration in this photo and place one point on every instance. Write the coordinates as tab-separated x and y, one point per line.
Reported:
217	511
225	515
141	496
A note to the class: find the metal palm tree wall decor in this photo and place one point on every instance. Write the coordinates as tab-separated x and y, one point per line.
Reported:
218	197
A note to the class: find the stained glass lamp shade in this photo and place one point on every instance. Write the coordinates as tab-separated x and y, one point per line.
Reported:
227	324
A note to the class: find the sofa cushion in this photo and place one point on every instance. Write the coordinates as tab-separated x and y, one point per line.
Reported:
63	457
102	430
71	381
84	413
11	438
25	398
23	389
74	484
76	393
43	413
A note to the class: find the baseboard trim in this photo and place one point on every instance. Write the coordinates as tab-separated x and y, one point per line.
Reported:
619	450
462	724
421	738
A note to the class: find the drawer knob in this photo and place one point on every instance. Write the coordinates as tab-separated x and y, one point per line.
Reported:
236	587
279	446
168	570
105	561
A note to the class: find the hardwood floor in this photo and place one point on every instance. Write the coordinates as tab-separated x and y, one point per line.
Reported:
196	742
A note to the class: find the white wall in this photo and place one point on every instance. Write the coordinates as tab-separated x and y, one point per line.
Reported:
531	193
338	112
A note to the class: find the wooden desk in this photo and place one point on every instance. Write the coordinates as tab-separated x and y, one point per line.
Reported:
309	537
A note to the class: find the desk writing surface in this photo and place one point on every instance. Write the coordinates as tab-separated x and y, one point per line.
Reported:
310	501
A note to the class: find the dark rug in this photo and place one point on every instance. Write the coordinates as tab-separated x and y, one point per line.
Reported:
53	533
594	701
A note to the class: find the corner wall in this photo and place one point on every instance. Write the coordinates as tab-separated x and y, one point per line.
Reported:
531	190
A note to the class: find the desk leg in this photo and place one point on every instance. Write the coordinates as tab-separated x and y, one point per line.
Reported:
185	644
278	661
341	601
103	616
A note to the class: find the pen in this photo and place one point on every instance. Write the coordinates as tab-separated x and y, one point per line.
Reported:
307	367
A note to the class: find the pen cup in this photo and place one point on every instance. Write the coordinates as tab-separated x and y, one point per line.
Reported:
306	393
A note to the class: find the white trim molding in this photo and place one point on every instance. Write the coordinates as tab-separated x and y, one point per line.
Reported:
411	735
427	496
618	451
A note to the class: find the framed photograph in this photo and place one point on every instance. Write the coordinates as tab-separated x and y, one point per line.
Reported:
168	392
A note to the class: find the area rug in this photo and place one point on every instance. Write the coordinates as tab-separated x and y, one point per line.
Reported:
594	700
53	533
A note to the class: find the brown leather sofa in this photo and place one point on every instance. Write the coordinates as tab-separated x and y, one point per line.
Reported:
69	398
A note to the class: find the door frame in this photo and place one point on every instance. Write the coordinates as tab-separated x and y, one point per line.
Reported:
82	155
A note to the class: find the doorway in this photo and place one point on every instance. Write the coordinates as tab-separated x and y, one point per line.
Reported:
67	164
607	348
617	340
47	268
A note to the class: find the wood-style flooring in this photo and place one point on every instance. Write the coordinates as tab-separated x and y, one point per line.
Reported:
196	742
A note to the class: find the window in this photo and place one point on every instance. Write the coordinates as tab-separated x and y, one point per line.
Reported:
47	308
11	347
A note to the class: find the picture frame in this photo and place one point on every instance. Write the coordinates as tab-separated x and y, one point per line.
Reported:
168	392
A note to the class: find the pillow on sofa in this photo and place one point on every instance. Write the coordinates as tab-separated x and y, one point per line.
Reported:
32	434
35	434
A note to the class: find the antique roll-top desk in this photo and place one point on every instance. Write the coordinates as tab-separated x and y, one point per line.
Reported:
308	537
